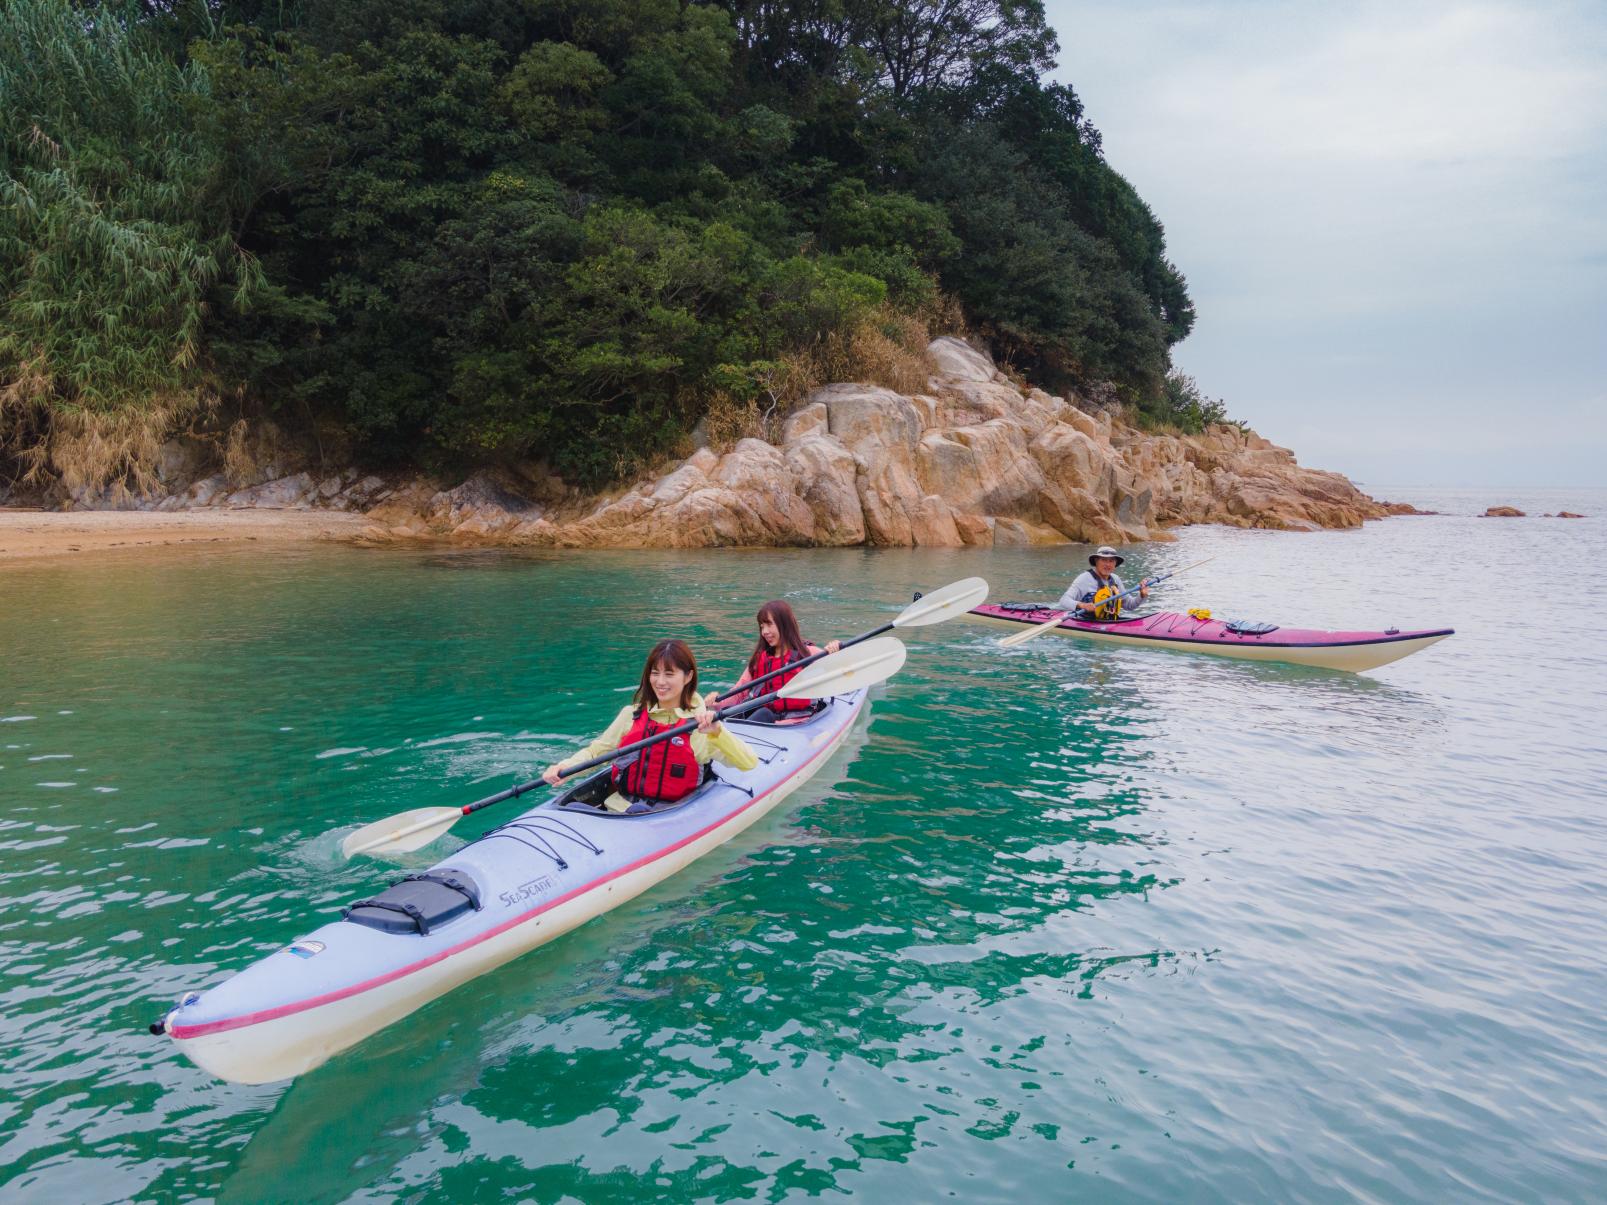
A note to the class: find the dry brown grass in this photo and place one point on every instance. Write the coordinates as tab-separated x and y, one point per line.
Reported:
242	460
83	449
88	451
945	316
727	420
888	348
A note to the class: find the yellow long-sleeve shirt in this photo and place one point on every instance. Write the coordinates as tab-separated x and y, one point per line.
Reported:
725	747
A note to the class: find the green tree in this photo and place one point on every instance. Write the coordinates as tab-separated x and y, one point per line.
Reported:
452	231
115	242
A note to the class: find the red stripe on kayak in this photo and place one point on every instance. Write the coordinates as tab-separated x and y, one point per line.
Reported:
182	1032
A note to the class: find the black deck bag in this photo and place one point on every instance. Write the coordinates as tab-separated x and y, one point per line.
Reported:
1247	627
419	903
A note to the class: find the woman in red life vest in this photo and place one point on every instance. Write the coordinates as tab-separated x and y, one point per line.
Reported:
779	644
670	770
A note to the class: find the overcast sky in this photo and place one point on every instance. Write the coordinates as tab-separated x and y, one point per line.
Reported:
1392	217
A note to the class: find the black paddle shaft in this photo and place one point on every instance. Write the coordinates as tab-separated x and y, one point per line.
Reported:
625	750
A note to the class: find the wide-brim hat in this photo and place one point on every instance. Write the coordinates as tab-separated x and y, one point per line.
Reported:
1105	550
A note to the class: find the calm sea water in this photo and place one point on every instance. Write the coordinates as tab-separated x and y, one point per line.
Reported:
1060	921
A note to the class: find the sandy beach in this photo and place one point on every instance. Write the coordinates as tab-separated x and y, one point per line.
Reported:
35	533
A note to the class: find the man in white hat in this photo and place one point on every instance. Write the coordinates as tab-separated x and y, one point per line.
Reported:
1086	598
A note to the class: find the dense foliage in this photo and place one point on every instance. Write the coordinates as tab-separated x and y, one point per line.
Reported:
452	231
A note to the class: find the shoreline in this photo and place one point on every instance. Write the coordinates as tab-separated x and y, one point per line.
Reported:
27	535
35	535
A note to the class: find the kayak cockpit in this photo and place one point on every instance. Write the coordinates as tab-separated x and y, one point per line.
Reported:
1040	612
588	794
790	719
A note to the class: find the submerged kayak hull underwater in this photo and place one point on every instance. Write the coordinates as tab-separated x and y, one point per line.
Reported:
538	876
1352	651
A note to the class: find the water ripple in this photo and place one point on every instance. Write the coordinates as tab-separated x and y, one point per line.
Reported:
1060	921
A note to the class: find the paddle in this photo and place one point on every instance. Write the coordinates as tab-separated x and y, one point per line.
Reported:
841	672
952	600
1033	633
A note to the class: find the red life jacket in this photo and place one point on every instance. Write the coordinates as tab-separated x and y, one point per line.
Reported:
764	663
667	770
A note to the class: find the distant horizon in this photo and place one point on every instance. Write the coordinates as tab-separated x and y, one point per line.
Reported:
1369	486
1391	220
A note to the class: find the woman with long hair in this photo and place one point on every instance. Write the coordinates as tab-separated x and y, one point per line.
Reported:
670	770
780	644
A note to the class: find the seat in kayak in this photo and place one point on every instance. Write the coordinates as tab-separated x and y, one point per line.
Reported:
793	719
588	794
420	903
1027	609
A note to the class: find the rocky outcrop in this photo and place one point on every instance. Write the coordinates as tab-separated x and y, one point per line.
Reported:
972	461
1503	512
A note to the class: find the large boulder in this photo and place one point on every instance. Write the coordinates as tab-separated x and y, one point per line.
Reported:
827	478
932	524
948	467
1074	460
1012	477
867	416
760	477
1079	516
967	403
984	469
285	493
956	360
804	422
888	493
975	530
1019	533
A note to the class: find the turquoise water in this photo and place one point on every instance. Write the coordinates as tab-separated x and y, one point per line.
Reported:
1062	920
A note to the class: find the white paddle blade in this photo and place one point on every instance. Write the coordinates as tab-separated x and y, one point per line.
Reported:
1032	633
853	668
401	833
952	600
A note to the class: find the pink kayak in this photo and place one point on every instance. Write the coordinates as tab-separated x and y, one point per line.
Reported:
1353	651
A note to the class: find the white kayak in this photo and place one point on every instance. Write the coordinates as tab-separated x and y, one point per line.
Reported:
536	877
1354	651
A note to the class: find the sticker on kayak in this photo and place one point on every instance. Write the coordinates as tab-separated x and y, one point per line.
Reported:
525	890
306	949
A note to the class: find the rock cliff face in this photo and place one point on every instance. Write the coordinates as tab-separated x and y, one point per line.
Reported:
974	461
